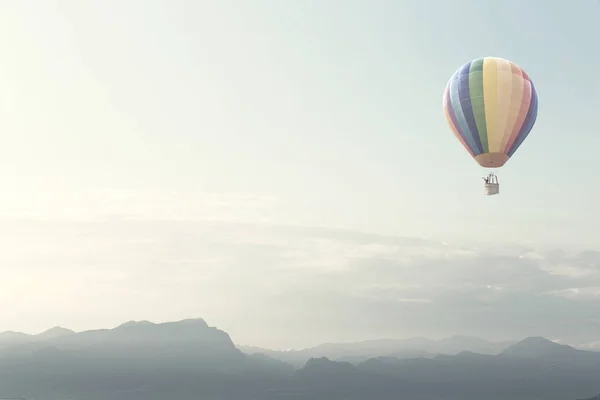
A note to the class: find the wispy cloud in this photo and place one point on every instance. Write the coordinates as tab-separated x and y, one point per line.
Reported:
64	205
265	284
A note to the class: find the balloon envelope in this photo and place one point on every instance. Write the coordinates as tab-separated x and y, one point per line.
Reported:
491	105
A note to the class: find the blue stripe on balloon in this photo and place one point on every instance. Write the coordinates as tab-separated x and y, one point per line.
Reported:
460	117
467	107
452	115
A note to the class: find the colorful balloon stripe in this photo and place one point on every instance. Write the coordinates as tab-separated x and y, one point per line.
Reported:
491	106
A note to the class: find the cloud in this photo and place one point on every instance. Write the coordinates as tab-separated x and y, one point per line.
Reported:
593	346
291	286
114	204
576	293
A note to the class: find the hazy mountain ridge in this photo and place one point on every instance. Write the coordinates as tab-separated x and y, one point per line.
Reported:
522	371
10	338
183	358
189	359
401	348
137	340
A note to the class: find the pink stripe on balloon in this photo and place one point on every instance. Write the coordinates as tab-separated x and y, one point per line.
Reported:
522	113
515	68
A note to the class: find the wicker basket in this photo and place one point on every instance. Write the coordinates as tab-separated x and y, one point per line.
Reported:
492	186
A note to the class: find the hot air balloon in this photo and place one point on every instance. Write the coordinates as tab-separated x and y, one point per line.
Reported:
491	105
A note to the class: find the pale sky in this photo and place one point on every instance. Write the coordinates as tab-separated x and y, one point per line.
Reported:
255	162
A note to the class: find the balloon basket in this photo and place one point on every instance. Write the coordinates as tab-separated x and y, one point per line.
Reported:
491	186
491	189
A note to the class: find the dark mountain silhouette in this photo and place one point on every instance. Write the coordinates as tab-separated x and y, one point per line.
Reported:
544	352
597	397
190	343
183	359
189	359
319	366
522	371
401	348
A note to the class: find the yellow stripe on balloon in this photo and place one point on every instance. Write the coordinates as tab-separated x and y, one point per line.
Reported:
490	99
504	90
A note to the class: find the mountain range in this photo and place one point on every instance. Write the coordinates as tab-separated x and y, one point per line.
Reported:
190	360
400	348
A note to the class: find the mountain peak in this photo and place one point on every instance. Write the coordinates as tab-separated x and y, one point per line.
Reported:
134	324
55	332
193	321
537	339
536	346
188	330
323	365
197	322
539	342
